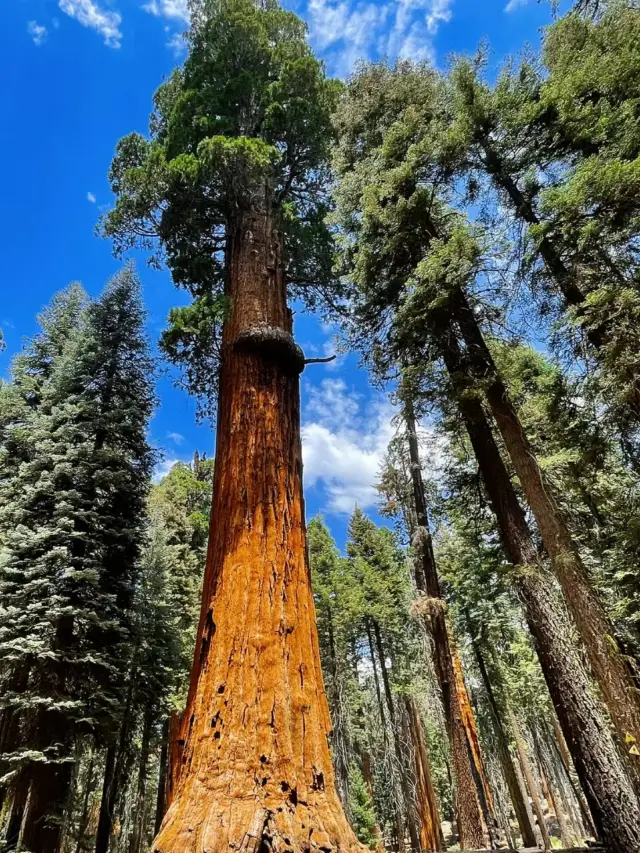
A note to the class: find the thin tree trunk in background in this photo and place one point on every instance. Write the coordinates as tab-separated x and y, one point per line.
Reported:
367	775
595	628
89	788
140	803
385	735
568	836
107	801
404	784
473	796
341	747
532	785
520	805
428	813
602	774
161	799
256	766
18	802
562	752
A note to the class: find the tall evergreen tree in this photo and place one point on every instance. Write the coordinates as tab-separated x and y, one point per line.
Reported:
232	185
69	574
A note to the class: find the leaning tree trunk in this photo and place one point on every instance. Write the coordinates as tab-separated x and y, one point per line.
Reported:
472	791
532	785
256	770
613	801
595	628
427	805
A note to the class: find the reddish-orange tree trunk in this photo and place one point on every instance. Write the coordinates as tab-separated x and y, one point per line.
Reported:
427	805
256	768
476	817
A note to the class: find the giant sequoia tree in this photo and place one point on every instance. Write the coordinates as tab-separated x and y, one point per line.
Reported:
230	182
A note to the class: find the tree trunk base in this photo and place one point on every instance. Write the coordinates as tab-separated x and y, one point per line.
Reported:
255	824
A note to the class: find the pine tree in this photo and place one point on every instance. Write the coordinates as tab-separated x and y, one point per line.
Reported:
70	571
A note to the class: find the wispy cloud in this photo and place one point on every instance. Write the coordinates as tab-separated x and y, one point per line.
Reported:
38	32
175	9
91	198
512	5
345	32
175	437
177	45
90	15
163	468
343	443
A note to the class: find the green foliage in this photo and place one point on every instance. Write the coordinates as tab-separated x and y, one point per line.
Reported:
73	515
363	816
248	114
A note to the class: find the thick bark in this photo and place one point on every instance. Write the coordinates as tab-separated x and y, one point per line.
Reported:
532	785
473	795
596	631
174	755
611	796
161	798
256	770
427	806
520	805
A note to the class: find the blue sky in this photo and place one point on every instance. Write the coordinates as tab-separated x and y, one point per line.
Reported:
76	75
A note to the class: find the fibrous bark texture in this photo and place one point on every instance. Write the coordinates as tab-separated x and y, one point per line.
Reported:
256	769
609	791
597	633
473	798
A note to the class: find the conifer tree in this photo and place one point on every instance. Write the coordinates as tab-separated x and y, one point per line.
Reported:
70	570
231	183
410	256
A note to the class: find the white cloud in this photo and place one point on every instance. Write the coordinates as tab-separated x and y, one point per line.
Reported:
37	32
175	437
369	30
162	468
176	44
175	9
512	5
89	14
91	198
343	444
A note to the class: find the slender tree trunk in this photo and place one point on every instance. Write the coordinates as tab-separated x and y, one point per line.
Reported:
367	775
89	788
427	804
177	735
404	784
161	800
340	736
257	769
520	805
532	785
595	628
16	814
472	790
563	753
140	803
555	797
613	801
107	801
